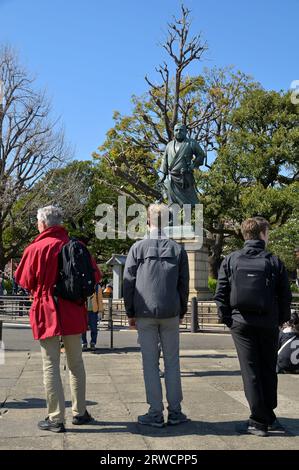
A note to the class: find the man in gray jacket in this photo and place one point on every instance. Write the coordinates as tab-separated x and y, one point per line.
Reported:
156	288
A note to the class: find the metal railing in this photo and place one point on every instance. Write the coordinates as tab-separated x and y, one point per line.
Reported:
207	315
16	308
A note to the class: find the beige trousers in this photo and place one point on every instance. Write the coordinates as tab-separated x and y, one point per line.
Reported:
50	349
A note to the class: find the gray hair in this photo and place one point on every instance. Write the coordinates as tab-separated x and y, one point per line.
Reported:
50	215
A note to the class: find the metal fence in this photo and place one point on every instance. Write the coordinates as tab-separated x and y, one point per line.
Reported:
207	315
207	318
13	307
16	309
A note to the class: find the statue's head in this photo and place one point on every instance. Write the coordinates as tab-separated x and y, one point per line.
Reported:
180	132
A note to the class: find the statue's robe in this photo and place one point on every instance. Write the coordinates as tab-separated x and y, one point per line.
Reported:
179	180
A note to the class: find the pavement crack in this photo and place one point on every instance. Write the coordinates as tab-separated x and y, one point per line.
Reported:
130	415
9	394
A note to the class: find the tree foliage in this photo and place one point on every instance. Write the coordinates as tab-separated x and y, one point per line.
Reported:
256	170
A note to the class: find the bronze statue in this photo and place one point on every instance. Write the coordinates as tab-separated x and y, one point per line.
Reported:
181	157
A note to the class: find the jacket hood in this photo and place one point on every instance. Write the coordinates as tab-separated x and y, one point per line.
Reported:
254	246
56	231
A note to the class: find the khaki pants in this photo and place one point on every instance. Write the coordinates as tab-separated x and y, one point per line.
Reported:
50	349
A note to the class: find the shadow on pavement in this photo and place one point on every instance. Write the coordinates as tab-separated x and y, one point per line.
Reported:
208	356
211	373
16	349
30	403
134	349
201	428
100	351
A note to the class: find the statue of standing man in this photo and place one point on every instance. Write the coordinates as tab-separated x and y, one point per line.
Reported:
181	157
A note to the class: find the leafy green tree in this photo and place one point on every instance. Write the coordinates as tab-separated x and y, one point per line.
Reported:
284	240
256	170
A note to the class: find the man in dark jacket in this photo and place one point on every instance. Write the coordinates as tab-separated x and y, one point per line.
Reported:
261	279
288	343
156	288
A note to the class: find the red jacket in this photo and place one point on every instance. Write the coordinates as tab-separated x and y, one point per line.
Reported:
37	272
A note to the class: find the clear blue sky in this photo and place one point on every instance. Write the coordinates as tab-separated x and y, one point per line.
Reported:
92	55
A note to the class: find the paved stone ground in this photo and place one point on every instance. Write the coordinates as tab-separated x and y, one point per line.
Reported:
213	399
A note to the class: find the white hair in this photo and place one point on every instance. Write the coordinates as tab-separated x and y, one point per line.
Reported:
50	215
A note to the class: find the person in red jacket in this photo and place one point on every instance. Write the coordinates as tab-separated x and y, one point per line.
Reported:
52	317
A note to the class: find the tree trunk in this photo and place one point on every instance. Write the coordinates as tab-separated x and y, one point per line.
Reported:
216	252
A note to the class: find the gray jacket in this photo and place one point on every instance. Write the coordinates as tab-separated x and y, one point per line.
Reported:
156	279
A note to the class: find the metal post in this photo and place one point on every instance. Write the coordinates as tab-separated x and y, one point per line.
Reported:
194	315
110	321
0	330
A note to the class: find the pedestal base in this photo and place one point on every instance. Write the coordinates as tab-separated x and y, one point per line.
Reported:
198	252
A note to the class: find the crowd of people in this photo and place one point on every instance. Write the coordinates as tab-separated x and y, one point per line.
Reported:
253	298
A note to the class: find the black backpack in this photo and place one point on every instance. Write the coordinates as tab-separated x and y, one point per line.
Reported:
76	280
252	283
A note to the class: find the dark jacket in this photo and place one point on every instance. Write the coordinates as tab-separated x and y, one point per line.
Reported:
288	352
282	292
156	279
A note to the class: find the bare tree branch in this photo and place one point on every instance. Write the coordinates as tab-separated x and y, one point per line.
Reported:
132	178
30	145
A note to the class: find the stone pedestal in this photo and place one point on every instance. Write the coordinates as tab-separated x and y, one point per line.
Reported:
198	267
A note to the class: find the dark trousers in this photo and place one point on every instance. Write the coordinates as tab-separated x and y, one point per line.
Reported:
93	326
257	352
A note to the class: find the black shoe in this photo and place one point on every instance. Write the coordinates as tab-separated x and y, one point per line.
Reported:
276	426
48	425
157	421
177	417
248	428
85	419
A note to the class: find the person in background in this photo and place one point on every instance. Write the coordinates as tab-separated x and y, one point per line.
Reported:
22	302
14	286
108	291
95	310
288	344
1	286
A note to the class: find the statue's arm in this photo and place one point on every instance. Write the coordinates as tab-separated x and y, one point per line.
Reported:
164	166
199	155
